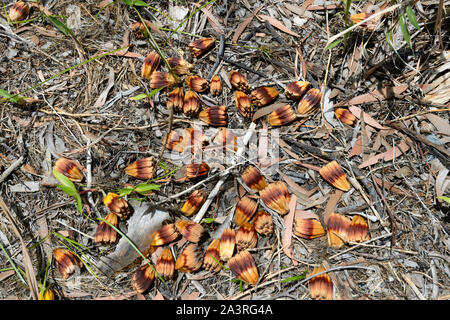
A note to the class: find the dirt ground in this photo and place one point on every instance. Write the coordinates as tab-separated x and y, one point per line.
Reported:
68	74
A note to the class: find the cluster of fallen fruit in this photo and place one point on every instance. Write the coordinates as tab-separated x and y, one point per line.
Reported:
234	244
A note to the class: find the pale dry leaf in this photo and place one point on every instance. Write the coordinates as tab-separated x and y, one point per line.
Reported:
6	274
277	24
367	118
158	296
442	182
263	144
303	214
104	95
441	124
287	234
331	204
388	155
261	112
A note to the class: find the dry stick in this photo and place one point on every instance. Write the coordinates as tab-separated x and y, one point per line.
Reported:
218	59
417	114
239	65
219	183
413	286
388	209
31	276
420	138
360	244
89	179
11	168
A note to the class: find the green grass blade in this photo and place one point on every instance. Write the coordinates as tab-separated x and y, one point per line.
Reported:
412	17
405	31
145	95
334	44
63	28
137	3
13	265
294	278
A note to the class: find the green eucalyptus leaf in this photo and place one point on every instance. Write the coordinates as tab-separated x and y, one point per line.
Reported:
208	220
446	199
66	185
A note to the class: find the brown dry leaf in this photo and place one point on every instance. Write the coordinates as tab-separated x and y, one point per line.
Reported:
287	234
261	112
193	296
357	148
27	262
365	139
104	3
367	118
306	5
158	296
377	95
41	8
128	55
48	33
6	274
42	229
25	122
29	169
215	24
125	42
277	24
388	155
353	61
331	204
294	9
320	8
101	100
391	187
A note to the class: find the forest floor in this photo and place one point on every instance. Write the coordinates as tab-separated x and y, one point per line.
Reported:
71	86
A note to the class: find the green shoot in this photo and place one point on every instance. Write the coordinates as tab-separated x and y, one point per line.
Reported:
68	188
142	188
146	95
295	278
